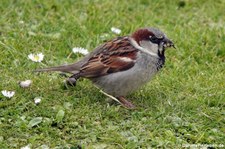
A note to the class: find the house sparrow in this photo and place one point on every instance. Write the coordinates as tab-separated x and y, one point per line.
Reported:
120	66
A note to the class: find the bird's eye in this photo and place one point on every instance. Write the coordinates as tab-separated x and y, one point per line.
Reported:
153	39
160	37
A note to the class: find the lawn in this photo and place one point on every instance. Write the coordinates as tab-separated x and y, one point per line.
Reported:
182	107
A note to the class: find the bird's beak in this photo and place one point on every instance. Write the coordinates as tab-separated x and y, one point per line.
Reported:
168	43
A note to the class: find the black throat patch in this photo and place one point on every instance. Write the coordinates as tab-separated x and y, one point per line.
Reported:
161	60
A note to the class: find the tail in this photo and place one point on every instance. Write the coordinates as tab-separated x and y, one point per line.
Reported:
72	68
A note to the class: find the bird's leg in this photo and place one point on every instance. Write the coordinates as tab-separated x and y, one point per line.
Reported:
72	80
121	100
124	102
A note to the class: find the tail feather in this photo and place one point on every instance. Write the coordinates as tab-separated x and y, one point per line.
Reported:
72	68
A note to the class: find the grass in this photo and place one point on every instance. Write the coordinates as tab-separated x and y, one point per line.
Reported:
183	105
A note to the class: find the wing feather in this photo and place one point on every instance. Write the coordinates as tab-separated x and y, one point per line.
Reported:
116	55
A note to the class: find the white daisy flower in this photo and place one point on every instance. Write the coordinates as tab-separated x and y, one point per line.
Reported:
115	30
80	50
37	100
36	57
8	94
26	83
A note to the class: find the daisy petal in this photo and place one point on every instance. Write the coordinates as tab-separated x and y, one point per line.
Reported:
37	100
80	50
36	57
115	30
26	83
8	94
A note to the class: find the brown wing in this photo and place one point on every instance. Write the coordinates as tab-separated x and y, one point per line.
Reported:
116	55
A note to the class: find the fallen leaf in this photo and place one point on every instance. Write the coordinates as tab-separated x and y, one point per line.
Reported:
60	116
35	121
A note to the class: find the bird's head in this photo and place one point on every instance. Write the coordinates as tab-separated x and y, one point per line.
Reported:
151	40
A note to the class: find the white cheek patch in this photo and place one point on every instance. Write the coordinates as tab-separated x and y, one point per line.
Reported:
135	44
154	47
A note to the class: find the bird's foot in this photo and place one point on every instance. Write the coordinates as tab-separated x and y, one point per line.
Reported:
70	82
125	103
